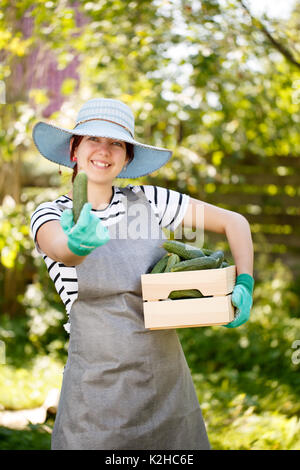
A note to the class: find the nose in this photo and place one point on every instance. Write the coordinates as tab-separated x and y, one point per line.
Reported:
103	145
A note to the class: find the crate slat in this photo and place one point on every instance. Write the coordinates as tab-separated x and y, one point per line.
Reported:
208	281
188	312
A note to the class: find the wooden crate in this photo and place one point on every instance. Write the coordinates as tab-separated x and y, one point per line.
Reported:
215	308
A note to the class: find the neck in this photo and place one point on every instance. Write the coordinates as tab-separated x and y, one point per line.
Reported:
98	195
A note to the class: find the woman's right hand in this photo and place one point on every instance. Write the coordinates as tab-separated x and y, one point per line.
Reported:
87	234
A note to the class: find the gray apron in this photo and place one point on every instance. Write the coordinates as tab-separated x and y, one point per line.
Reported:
124	387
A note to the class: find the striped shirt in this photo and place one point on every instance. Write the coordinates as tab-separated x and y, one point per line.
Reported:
169	207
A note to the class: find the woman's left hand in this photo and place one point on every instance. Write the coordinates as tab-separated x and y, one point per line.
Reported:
242	299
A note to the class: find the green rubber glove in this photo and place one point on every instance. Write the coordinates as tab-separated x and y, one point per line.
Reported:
242	299
87	234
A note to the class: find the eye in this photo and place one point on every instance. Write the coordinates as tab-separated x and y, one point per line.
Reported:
92	137
120	144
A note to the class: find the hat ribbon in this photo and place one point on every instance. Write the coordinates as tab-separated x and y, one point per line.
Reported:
101	119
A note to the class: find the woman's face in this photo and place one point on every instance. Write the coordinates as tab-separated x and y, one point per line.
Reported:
101	158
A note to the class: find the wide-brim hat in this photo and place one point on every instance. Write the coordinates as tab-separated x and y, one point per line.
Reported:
100	117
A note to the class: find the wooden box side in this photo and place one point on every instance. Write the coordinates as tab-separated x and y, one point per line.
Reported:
208	281
188	312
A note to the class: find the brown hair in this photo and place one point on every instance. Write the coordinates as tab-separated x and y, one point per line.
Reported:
78	139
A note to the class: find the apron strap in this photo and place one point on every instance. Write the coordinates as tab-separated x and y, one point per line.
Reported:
135	196
132	196
129	194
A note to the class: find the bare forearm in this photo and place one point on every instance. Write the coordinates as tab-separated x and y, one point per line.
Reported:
54	243
64	254
239	237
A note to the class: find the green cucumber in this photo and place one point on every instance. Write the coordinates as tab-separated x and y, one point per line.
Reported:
183	250
224	264
219	256
173	259
161	264
206	262
207	252
185	294
79	194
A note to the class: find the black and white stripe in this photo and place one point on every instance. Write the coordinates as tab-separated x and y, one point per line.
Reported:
169	207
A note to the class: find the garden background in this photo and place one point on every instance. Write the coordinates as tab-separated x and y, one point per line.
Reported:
219	85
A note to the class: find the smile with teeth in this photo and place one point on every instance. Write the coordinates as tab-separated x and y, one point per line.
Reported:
99	164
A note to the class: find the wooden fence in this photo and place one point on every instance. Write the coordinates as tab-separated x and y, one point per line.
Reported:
266	190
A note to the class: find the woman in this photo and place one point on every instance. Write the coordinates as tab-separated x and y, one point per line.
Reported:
124	387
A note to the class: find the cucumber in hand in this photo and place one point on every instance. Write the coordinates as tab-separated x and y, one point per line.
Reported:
79	194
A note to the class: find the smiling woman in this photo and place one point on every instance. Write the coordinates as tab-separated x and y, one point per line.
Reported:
124	387
75	142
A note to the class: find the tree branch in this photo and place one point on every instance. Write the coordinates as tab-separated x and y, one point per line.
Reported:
283	50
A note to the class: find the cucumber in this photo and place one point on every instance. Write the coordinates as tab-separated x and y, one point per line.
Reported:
207	252
206	262
224	264
185	294
173	259
219	256
161	264
79	194
183	250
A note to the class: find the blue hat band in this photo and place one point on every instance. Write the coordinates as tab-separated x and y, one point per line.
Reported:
107	120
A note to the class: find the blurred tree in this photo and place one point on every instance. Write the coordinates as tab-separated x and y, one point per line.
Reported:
35	61
202	78
280	38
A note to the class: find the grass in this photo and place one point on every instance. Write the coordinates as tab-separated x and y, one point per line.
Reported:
35	437
239	420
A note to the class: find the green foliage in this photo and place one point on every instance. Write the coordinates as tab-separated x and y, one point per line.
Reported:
34	438
246	379
203	80
27	386
32	313
14	231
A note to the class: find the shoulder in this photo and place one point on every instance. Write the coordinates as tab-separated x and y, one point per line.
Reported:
49	210
59	204
155	194
170	205
159	194
152	192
